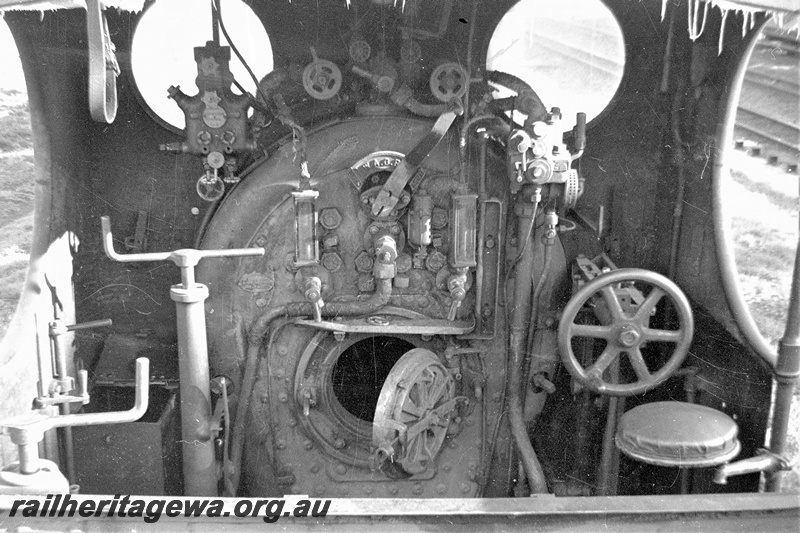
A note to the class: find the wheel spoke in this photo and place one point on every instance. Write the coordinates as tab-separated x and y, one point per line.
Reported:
662	335
595	332
613	303
409	407
638	364
606	358
646	309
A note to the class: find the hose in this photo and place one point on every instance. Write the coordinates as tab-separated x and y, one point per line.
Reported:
527	101
255	338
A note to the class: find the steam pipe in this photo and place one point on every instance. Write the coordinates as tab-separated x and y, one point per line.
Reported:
378	299
521	314
721	221
528	102
787	372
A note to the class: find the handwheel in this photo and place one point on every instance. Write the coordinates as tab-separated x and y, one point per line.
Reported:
322	79
625	331
448	81
210	189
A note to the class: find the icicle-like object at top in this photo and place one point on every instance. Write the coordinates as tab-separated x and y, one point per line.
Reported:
696	27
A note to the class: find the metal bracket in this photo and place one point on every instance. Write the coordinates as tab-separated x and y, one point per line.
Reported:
388	324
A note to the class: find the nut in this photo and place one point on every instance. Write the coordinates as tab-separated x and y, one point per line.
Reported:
331	261
330	218
436	261
330	240
439	218
364	262
404	263
401	282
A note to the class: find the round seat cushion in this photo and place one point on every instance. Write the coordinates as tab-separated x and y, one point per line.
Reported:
678	434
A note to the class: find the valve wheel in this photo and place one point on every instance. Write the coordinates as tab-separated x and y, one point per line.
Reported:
210	190
413	413
448	81
322	79
360	51
625	332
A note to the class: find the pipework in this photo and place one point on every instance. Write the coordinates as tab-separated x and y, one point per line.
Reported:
766	462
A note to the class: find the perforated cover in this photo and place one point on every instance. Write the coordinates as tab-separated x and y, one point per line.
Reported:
678	434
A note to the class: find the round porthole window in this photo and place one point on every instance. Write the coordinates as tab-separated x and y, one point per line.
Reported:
570	52
162	52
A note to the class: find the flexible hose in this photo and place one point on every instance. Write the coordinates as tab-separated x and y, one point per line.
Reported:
527	101
255	338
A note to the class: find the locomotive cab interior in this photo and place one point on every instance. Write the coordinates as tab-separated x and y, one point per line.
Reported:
387	249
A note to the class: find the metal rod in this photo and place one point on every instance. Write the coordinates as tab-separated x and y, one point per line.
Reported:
786	374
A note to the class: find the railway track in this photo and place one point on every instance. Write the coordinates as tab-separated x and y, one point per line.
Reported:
768	117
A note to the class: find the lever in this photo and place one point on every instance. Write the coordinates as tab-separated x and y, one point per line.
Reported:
27	430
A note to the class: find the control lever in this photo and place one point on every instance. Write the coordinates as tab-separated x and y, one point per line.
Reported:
40	475
199	472
389	195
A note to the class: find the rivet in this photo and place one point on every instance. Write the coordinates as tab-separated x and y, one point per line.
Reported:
261	302
393	490
280	444
314	468
341	470
417	489
453	444
279	373
308	445
464	488
441	488
446	467
292	422
338	444
283	397
282	350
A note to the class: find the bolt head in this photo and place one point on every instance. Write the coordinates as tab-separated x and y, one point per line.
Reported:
330	218
331	261
364	262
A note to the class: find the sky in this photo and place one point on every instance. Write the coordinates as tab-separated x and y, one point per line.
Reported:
10	67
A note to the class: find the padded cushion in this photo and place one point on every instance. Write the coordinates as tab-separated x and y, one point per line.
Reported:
678	434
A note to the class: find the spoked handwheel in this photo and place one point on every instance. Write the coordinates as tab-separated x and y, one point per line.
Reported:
625	327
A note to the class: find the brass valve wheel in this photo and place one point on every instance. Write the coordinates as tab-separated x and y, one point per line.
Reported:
626	331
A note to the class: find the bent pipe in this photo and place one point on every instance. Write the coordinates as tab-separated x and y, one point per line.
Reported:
261	326
528	102
522	302
723	240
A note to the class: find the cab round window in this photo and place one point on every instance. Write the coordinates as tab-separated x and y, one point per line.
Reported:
162	52
571	52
